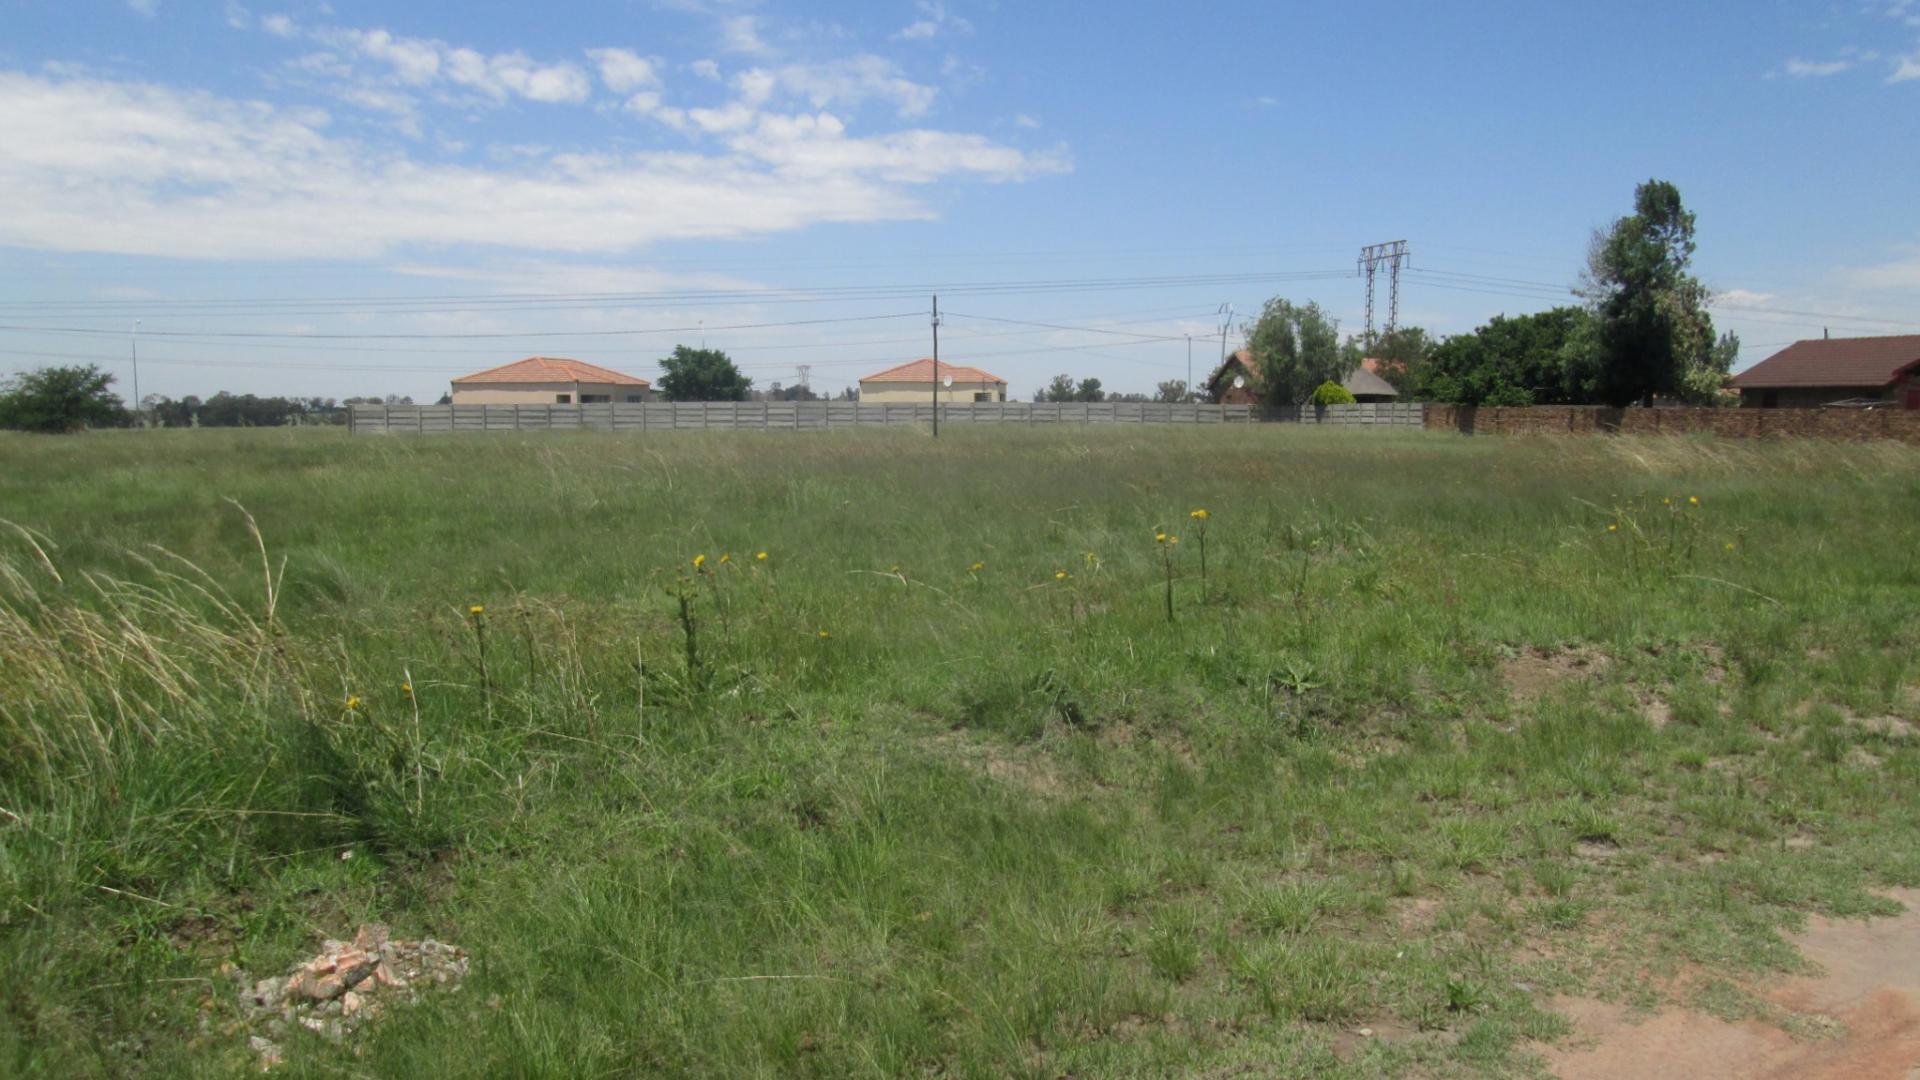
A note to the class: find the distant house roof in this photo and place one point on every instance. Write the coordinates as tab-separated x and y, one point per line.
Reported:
1240	363
1361	380
921	371
551	369
1873	362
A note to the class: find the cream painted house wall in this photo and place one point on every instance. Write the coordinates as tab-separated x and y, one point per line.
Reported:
960	393
543	393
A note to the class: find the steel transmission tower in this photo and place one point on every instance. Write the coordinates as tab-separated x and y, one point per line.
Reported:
1372	257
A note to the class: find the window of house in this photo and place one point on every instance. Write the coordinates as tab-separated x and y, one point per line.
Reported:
563	399
982	395
596	399
634	397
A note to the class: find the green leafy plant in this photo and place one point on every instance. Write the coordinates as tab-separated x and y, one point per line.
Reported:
1332	393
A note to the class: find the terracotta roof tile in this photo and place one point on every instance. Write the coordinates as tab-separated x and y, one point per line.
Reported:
922	371
1872	362
550	369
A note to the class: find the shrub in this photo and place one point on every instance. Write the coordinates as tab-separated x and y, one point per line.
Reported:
1332	393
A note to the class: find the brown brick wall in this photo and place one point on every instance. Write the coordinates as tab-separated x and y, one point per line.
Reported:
1836	424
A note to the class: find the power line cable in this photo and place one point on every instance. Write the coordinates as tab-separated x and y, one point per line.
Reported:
458	335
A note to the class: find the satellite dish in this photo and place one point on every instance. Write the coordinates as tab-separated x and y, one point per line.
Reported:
1239	382
948	381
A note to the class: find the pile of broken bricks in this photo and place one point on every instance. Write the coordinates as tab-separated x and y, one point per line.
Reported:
349	981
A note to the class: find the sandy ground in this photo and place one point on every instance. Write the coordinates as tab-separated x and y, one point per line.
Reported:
1869	990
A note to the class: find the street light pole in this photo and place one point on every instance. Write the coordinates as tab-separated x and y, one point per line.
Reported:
936	365
1227	311
133	347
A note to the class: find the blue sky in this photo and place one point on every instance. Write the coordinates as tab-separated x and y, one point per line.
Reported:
344	198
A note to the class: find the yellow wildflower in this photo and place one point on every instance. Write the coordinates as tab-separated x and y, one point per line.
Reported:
725	559
976	568
894	569
406	688
477	609
352	702
1092	559
1729	545
1059	575
699	561
762	557
1159	538
824	635
1613	528
1199	515
1173	539
1693	500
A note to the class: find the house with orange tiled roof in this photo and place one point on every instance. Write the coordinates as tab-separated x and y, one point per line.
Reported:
549	380
913	382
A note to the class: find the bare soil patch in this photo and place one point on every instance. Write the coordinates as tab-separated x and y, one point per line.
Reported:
1028	771
1868	992
1891	726
1535	672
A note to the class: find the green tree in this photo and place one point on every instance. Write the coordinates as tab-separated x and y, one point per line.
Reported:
701	375
1702	382
1651	329
1509	361
1173	391
1332	393
1295	349
1089	390
1060	388
1405	348
58	400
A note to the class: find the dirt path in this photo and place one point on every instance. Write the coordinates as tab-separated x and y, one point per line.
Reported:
1870	988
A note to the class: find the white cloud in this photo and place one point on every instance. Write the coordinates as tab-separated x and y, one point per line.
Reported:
131	168
1907	68
1812	69
732	117
1902	274
543	276
1022	120
851	81
415	62
146	9
934	21
624	71
741	34
755	86
706	69
1742	297
422	63
819	146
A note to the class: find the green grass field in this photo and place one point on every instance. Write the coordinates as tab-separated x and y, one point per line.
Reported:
936	788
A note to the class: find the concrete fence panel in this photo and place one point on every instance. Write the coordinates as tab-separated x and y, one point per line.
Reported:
826	415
